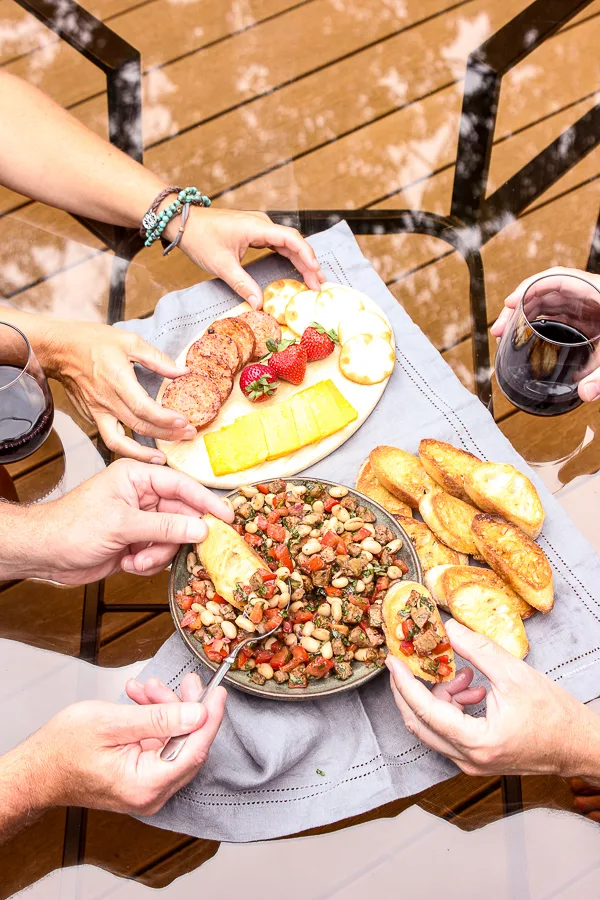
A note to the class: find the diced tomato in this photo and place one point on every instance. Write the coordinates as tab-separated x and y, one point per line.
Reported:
299	656
441	648
274	516
287	626
297	509
271	613
253	539
334	592
300	653
341	548
238	527
263	656
329	539
189	619
276	621
442	659
362	604
269	590
248	652
302	616
402	566
217	645
319	667
185	601
261	521
407	627
361	534
282	657
364	625
444	670
316	563
266	575
218	599
276	532
283	555
263	488
275	647
213	655
256	614
407	647
382	584
330	503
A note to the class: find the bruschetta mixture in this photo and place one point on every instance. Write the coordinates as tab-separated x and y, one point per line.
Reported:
329	557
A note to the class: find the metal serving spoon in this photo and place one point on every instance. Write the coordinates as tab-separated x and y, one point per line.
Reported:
174	745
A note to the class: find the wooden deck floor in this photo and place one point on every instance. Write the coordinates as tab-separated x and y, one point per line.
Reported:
286	104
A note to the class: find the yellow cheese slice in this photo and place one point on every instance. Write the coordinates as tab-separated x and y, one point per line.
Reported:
323	401
250	441
221	449
350	414
280	430
304	418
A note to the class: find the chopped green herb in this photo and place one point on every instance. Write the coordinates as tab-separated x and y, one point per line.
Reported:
321	773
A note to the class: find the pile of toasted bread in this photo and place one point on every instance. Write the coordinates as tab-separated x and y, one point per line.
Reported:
489	511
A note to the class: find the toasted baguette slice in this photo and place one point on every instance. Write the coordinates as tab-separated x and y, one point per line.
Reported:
450	520
502	490
228	559
430	551
368	483
444	580
484	609
394	602
516	558
402	474
447	465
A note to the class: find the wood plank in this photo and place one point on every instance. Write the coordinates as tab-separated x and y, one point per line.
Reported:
32	853
140	643
126	588
42	615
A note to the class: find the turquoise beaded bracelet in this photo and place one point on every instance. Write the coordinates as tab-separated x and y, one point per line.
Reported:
155	223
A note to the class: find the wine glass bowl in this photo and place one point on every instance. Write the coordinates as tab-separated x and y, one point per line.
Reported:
550	344
26	405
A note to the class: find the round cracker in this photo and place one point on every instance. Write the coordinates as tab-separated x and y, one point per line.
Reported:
366	359
278	294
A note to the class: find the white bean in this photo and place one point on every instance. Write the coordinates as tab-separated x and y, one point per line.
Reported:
214	608
273	602
335	509
315	532
251	527
299	490
400	633
238	501
370	528
207	618
303	530
308	628
340	582
296	605
310	519
218	620
332	525
245	624
338	491
318	506
257	502
394	545
361	654
269	499
269	542
327	650
210	590
269	642
321	634
324	609
312	546
283	601
371	546
281	585
291	640
248	490
296	576
229	630
309	644
359	586
197	607
265	670
298	628
394	572
289	487
342	514
336	611
283	572
191	561
366	555
354	524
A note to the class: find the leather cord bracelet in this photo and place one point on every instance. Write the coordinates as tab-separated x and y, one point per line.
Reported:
154	223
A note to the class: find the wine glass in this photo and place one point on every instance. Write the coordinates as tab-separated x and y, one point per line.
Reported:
26	406
550	344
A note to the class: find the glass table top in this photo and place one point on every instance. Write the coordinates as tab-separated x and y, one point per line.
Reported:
303	108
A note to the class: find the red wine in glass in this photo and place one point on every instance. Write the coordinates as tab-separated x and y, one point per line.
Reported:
26	406
549	345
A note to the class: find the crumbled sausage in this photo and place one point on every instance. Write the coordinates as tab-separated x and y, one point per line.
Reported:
298	594
255	582
316	491
322	577
425	642
327	554
280	677
257	678
216	631
277	486
228	612
353	567
365	514
349	503
292	521
244	510
383	534
357	636
375	638
386	558
420	616
351	613
376	616
354	549
338	647
343	670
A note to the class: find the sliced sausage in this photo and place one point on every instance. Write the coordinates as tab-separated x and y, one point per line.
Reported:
217	347
195	396
216	371
264	326
239	332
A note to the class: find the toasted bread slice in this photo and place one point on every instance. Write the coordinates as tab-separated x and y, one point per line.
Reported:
485	610
444	580
430	551
447	465
368	483
402	474
228	559
450	520
502	490
395	603
516	558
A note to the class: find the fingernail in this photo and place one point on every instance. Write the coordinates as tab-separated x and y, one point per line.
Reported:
253	300
190	433
191	713
590	391
157	460
196	530
127	565
180	423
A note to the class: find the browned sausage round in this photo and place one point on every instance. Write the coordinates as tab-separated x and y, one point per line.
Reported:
239	332
264	327
195	396
217	347
216	371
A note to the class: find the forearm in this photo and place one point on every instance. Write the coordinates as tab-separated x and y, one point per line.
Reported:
582	756
22	543
48	155
24	794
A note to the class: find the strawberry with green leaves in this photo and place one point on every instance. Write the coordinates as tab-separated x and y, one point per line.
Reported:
318	342
287	359
258	382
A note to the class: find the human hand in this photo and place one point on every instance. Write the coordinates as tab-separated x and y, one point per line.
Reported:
131	516
107	755
589	383
531	725
218	239
95	364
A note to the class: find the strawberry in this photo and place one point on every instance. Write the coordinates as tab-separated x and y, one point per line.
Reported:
318	342
258	382
287	360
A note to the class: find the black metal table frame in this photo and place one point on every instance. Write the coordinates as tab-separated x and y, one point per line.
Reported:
474	217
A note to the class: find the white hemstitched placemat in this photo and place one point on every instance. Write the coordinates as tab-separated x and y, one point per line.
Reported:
262	778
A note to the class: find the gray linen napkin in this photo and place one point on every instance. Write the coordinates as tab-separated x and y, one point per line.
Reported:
261	780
